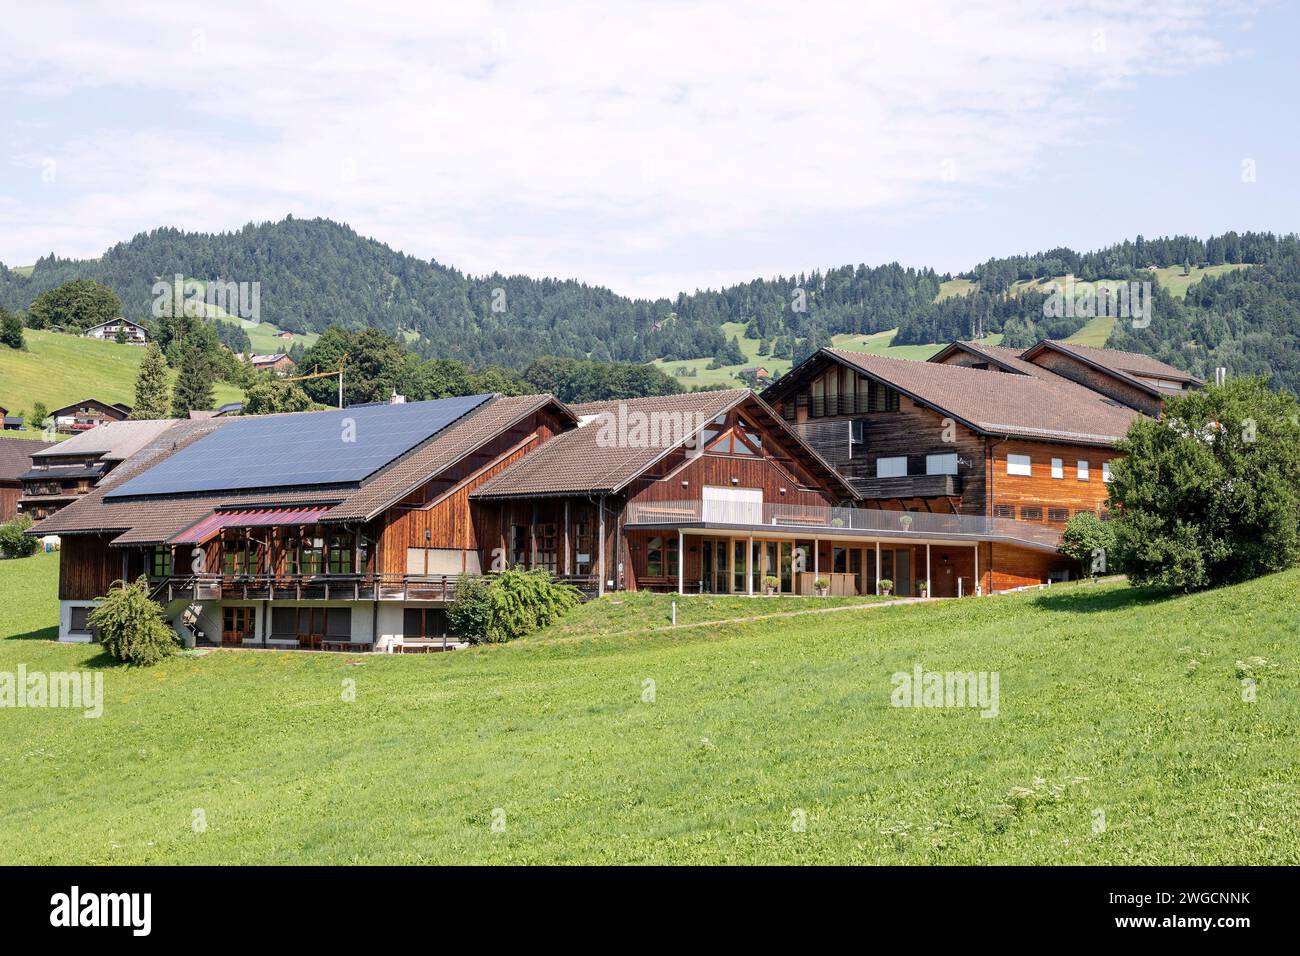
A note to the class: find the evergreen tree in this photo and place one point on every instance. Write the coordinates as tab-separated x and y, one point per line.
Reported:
194	382
151	386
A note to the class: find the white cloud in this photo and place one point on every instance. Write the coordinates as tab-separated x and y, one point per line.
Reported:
589	140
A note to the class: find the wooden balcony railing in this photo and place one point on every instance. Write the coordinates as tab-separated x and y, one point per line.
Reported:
322	587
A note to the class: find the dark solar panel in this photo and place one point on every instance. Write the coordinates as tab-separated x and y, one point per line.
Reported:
316	448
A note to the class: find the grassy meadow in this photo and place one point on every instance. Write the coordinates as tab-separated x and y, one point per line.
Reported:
1122	736
58	369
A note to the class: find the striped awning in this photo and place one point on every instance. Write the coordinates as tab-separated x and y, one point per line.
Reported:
218	521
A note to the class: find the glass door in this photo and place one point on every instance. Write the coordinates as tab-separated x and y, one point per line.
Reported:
738	567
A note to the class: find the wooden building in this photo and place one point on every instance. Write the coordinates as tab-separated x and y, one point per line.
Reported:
87	413
15	461
131	332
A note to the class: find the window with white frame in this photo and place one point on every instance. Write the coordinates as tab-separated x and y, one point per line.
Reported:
941	464
1081	468
1105	471
1018	465
1058	468
891	467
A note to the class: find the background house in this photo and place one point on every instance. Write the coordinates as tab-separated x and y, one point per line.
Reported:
87	413
15	461
134	333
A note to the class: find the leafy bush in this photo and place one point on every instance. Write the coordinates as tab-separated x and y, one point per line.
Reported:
1209	494
771	582
1085	537
508	605
15	544
886	585
131	626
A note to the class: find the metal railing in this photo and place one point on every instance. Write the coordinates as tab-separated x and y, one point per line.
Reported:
814	518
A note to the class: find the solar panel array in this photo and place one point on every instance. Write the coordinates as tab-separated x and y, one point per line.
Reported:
315	448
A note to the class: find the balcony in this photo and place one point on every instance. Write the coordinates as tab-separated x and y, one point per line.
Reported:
908	486
305	587
868	522
322	587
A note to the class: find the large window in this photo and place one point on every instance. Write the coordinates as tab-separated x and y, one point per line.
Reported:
312	555
1058	468
548	547
424	622
237	623
340	554
1081	469
518	546
941	464
583	541
311	625
160	562
891	467
234	554
1018	465
661	557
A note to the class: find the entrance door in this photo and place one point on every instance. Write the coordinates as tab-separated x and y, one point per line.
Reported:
311	626
714	566
236	624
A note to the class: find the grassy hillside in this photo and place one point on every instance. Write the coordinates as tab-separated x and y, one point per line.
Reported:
57	369
1111	700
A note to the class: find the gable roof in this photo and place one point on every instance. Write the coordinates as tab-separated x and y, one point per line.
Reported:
1023	406
15	456
73	406
120	320
110	441
158	519
1127	366
579	462
1007	359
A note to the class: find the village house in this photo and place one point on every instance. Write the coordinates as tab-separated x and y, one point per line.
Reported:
132	332
59	473
279	363
87	413
15	461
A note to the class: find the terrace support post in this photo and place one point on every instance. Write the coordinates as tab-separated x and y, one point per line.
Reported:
877	569
681	561
929	584
817	557
600	585
749	566
266	623
978	589
567	567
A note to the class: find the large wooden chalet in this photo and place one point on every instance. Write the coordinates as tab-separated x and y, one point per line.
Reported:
851	468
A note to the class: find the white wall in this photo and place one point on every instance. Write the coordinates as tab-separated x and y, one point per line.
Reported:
65	621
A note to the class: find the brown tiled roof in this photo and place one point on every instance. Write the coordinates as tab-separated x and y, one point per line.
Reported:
1002	404
579	462
1008	358
443	451
16	456
1118	361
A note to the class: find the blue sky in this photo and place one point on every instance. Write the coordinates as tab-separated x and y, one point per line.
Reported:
654	148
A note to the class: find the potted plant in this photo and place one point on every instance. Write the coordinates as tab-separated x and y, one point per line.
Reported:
822	586
922	587
771	583
886	586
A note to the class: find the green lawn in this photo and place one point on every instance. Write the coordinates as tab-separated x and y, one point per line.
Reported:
1172	278
58	369
1111	700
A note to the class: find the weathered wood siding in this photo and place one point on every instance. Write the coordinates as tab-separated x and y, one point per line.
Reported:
87	567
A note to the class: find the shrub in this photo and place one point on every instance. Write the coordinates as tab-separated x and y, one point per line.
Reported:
821	584
131	625
772	582
1209	494
1087	537
15	544
508	605
886	585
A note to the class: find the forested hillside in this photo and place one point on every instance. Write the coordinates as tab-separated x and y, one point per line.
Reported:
315	274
